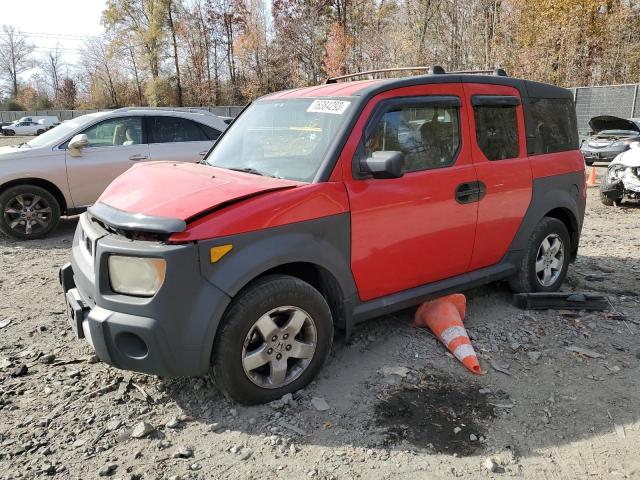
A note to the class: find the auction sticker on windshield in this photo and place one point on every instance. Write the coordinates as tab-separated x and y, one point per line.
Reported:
328	106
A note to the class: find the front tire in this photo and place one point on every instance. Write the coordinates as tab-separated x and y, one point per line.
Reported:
28	212
273	340
544	265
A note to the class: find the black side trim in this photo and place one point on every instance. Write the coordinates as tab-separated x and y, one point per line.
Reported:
136	221
409	298
494	101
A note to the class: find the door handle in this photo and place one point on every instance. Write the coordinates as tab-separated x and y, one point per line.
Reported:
470	192
203	153
137	157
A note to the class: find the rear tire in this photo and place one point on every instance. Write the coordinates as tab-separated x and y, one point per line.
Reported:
546	259
40	132
273	340
28	212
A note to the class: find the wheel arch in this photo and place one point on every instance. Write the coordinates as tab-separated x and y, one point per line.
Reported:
567	217
51	187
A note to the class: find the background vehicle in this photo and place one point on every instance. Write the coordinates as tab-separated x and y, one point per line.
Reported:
24	127
321	207
65	169
610	136
622	179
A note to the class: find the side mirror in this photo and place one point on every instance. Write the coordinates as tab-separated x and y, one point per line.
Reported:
383	164
79	141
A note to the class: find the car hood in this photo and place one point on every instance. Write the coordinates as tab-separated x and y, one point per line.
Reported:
609	122
184	190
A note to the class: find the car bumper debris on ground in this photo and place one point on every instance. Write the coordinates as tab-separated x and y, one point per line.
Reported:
559	400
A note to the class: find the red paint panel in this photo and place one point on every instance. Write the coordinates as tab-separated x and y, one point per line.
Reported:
409	231
306	202
551	164
182	190
508	184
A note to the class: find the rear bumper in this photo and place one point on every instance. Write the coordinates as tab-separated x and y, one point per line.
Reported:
170	334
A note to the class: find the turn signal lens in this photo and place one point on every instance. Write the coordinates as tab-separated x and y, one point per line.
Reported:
140	277
218	252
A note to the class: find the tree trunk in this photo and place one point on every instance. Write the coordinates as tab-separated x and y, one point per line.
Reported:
175	54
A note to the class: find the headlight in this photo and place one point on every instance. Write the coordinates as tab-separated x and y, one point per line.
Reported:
136	276
620	143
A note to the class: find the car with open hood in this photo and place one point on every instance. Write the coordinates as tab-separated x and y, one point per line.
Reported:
609	137
322	207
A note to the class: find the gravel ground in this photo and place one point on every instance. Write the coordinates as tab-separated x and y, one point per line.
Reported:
14	140
389	404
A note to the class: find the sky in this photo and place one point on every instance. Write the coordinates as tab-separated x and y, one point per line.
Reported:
67	23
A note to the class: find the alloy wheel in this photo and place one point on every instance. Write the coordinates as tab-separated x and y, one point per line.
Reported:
550	260
279	347
27	213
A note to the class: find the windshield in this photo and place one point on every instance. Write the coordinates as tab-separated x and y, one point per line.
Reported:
59	132
284	139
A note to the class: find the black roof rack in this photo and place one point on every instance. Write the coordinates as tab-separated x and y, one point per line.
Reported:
431	70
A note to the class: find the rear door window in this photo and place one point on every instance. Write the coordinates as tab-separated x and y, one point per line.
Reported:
176	129
497	127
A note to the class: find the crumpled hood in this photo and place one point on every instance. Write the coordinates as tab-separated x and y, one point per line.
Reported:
609	122
183	190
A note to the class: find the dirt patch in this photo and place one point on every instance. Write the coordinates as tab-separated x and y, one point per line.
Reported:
438	415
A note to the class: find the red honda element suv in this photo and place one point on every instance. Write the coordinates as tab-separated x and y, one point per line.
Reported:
319	208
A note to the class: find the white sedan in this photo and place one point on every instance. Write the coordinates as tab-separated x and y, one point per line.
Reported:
24	128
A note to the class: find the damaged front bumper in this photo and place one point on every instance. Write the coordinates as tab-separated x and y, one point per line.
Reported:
170	334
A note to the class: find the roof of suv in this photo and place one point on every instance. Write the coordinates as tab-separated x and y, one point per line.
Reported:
368	88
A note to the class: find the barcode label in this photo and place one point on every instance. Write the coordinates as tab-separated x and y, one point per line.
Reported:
337	107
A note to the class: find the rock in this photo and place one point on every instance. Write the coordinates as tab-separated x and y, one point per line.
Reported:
217	427
173	422
5	323
107	469
583	351
473	438
20	371
320	404
47	359
457	430
246	454
113	424
92	359
183	452
534	356
399	371
233	412
141	430
195	466
492	465
73	372
235	448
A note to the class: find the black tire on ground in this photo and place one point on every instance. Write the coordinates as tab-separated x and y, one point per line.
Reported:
526	280
48	205
254	301
607	200
10	133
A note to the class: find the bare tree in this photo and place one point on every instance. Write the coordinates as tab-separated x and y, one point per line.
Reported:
52	64
15	55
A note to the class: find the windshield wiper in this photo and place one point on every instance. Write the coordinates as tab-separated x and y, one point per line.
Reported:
253	171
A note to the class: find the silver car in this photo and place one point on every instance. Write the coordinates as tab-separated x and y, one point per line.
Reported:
64	170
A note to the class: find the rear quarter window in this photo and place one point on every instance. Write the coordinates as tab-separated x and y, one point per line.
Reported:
551	126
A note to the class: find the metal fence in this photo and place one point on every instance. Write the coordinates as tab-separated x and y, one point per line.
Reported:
224	111
618	100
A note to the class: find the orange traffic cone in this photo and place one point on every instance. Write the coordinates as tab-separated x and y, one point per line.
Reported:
444	317
592	181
